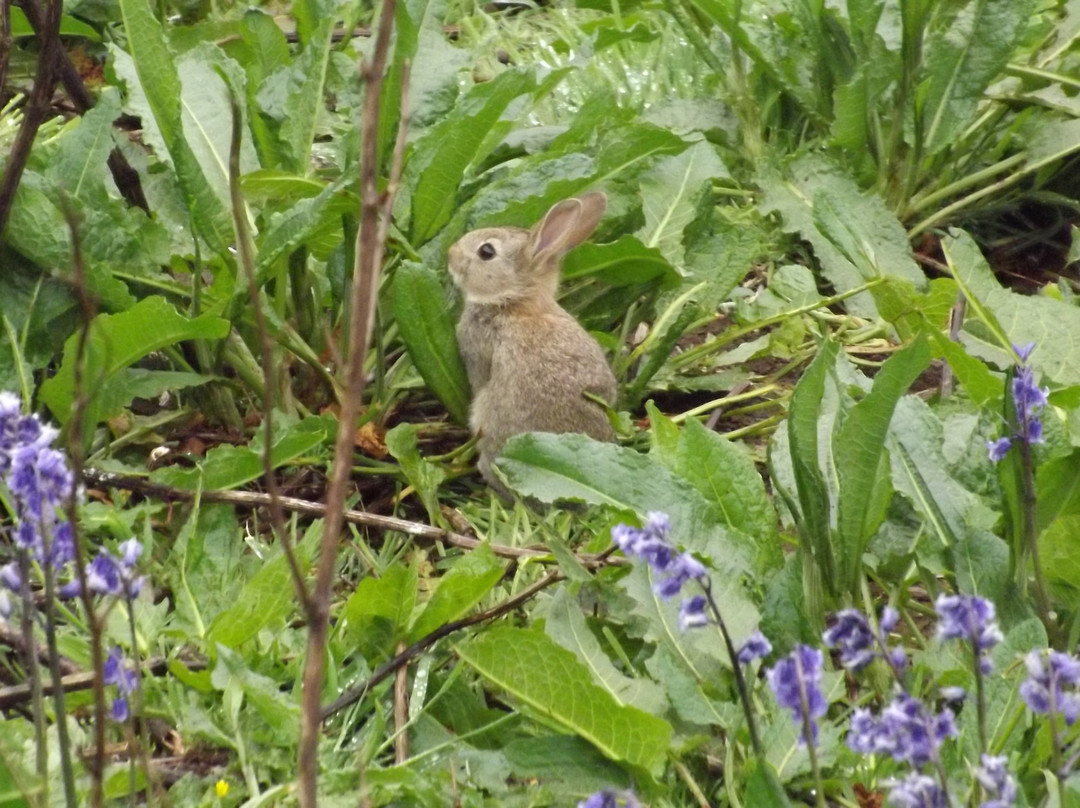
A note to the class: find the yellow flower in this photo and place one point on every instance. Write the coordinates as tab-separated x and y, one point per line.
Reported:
221	788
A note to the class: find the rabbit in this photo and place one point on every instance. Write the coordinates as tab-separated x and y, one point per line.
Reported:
529	362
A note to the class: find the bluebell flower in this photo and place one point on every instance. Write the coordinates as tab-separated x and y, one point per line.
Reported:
608	798
996	781
756	646
1044	689
1029	400
797	677
108	575
906	730
692	613
650	543
853	636
971	618
917	791
116	672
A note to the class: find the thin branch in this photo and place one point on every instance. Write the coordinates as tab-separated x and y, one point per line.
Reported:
37	108
365	285
255	499
6	41
76	680
246	248
355	693
15	639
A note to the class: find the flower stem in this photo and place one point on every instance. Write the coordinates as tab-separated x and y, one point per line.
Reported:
736	666
980	698
1031	539
808	734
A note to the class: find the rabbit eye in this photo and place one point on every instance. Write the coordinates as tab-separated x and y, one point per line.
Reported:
486	251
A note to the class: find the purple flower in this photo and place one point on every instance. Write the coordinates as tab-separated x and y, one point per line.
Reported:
996	781
610	799
1043	691
917	791
692	613
103	575
997	449
971	618
756	646
116	672
905	730
853	636
796	681
9	576
651	544
1029	400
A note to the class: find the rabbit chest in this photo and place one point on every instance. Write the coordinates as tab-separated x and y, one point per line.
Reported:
529	367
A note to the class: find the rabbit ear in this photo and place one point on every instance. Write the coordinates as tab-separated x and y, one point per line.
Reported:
567	225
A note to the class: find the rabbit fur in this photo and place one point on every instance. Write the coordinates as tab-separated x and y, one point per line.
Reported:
529	362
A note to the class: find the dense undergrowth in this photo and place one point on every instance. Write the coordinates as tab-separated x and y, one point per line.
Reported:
835	285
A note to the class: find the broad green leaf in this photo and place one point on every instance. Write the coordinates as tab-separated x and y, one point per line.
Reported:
813	509
1003	317
69	26
206	567
423	318
625	262
726	475
130	383
718	253
920	473
115	342
305	222
565	624
268	598
439	159
292	97
558	467
1057	554
377	614
854	236
80	165
862	470
763	787
469	579
671	192
981	385
160	82
664	436
962	62
554	685
269	185
226	467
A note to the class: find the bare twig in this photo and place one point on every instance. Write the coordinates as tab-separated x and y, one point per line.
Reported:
16	639
401	710
77	680
6	41
37	107
254	499
375	210
246	248
354	694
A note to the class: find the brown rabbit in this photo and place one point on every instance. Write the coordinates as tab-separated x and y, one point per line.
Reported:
529	362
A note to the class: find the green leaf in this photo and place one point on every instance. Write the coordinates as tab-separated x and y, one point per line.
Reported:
466	583
115	342
79	165
423	318
625	262
854	236
377	614
718	253
726	475
565	624
763	787
966	58
863	470
559	467
551	681
671	192
425	477
812	514
439	159
1002	317
268	598
981	385
226	467
160	82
